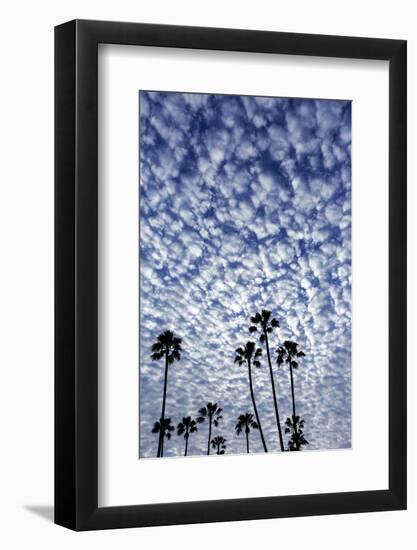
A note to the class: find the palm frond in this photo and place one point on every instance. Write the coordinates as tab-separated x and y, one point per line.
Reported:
157	346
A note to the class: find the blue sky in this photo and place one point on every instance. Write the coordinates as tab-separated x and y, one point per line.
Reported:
245	204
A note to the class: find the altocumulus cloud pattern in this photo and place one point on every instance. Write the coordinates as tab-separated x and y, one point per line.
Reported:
245	204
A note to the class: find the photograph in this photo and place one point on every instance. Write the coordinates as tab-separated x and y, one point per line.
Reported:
244	273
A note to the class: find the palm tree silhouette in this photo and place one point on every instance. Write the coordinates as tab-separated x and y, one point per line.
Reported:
297	437
213	413
246	422
186	427
219	443
165	428
249	355
169	347
288	353
263	322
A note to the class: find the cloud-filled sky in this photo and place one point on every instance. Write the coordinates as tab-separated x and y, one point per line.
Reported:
245	204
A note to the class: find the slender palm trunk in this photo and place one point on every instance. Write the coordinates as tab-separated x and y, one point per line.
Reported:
293	409
161	433
247	442
209	437
186	444
254	405
281	442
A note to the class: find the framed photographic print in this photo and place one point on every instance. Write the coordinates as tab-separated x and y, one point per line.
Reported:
230	275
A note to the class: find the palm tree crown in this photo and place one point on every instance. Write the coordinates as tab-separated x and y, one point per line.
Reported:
245	423
263	322
211	410
165	426
219	443
287	352
186	427
248	353
167	344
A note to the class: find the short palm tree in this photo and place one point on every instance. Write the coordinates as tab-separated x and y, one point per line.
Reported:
297	436
246	423
288	353
213	414
165	428
249	355
263	323
219	443
186	427
167	346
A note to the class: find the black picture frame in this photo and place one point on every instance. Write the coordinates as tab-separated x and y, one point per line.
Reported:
76	272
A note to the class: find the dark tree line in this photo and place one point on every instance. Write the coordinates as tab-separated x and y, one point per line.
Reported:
168	347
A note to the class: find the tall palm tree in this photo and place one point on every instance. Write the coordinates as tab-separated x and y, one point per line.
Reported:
167	346
288	353
186	427
165	428
265	324
219	443
213	413
246	422
249	355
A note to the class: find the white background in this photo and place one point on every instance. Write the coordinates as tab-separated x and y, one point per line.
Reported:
26	301
123	479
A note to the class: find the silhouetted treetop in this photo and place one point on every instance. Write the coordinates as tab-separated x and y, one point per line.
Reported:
211	411
288	352
248	353
296	427
246	423
219	443
165	427
264	322
187	426
167	345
